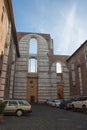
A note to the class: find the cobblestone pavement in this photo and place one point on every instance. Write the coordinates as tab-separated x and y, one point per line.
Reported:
44	117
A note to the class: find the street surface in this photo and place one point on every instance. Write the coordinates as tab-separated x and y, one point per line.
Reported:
45	117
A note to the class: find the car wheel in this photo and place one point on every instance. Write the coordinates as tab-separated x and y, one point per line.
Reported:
73	108
19	112
64	107
84	109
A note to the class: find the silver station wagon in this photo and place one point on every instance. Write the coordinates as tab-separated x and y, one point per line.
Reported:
18	107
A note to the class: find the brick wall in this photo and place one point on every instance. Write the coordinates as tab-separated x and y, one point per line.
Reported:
77	64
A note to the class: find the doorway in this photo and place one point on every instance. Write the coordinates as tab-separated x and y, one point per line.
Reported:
60	92
32	89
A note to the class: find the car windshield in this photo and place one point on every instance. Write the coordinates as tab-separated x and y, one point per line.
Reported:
57	101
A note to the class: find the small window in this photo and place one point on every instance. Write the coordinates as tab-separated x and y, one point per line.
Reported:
32	66
31	82
12	103
72	66
21	103
33	46
58	68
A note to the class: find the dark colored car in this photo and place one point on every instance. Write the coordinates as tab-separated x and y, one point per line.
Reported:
66	104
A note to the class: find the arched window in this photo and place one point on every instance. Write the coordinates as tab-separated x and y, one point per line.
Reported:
32	66
58	68
33	46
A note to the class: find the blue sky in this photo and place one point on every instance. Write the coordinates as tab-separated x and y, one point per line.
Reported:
64	20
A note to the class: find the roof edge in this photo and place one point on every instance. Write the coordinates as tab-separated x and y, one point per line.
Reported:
77	50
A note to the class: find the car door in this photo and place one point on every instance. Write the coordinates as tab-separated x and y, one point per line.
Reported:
11	106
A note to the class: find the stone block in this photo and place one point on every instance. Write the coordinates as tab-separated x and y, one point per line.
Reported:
22	68
2	87
43	68
21	59
1	93
20	80
3	74
4	67
5	59
3	81
20	74
20	84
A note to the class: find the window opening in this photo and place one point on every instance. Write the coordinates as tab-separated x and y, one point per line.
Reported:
32	65
73	74
80	79
33	46
58	68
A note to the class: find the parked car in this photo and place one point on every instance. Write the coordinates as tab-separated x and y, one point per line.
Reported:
18	107
49	101
80	104
58	102
55	103
66	104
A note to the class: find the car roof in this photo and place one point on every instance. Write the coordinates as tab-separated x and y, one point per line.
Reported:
15	100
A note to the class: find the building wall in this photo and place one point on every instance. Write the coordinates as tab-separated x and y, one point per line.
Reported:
14	83
44	84
7	45
4	47
3	25
3	30
77	64
64	81
32	88
46	68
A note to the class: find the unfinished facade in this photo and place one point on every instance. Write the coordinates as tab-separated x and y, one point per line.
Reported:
40	82
30	72
19	78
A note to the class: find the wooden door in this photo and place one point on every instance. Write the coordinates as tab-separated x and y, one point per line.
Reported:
60	91
32	89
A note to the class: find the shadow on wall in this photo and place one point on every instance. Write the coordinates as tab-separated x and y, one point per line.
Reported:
1	61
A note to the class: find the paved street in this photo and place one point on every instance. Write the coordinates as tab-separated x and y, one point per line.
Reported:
44	117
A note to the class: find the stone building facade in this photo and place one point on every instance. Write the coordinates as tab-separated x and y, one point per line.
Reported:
30	72
16	81
77	64
8	49
63	77
42	84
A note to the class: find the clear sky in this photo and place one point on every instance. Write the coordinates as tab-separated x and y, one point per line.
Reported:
64	20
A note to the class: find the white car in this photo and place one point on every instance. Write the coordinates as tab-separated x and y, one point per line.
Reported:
56	103
18	107
80	104
49	101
